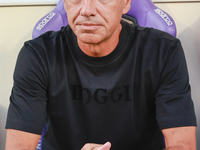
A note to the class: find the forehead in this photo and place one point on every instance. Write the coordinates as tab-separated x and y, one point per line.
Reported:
103	6
92	1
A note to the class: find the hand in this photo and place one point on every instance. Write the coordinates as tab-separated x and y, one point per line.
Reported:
91	146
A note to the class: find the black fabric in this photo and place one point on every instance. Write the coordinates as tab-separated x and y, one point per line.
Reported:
126	97
130	18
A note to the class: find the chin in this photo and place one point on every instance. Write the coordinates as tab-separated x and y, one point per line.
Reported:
89	40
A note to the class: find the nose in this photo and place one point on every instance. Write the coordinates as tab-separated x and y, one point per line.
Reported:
88	8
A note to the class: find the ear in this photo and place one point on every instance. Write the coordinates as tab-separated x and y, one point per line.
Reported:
127	6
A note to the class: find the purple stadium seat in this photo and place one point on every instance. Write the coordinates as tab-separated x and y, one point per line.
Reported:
54	20
149	15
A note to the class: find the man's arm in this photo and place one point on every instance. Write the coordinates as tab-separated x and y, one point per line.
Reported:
183	138
18	140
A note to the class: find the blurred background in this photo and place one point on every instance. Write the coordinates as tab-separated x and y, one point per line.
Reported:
17	21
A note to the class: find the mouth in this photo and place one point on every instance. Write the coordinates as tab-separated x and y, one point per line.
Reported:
89	26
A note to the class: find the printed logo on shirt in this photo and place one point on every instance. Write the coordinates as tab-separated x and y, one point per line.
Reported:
101	96
164	16
45	20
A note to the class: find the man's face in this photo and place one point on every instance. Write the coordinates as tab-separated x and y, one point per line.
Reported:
94	21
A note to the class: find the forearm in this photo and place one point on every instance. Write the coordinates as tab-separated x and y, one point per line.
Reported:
19	140
183	138
185	147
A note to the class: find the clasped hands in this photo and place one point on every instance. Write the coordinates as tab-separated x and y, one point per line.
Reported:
91	146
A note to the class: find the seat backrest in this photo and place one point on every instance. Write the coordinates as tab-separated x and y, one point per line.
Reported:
148	14
144	11
54	20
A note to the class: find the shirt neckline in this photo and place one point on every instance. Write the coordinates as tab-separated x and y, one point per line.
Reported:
105	60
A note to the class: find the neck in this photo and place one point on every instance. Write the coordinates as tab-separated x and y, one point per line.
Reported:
103	48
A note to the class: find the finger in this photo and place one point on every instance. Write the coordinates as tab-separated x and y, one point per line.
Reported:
91	146
106	146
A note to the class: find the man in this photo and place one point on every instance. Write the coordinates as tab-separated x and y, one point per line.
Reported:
98	80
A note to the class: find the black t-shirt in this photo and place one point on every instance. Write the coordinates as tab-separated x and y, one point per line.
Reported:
126	97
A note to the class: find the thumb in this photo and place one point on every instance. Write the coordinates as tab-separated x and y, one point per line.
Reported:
106	146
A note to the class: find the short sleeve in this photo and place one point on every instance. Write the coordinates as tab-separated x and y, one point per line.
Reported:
27	109
174	106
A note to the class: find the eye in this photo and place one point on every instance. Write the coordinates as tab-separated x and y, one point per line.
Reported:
105	1
74	1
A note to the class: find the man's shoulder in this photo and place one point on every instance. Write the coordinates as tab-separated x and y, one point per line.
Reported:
150	41
149	33
49	40
52	35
